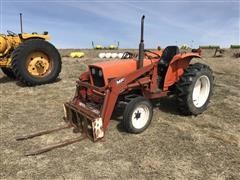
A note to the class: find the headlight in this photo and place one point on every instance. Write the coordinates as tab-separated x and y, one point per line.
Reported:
100	73
97	76
93	71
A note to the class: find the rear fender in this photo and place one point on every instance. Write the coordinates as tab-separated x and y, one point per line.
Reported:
34	36
176	68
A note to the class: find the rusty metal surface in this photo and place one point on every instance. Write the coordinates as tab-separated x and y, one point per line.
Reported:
85	120
88	85
83	110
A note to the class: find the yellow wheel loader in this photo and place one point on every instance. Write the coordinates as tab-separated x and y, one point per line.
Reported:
29	58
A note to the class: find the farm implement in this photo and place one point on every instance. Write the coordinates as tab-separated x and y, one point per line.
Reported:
133	83
29	57
110	47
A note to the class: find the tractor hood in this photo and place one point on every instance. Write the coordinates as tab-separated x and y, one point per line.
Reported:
114	68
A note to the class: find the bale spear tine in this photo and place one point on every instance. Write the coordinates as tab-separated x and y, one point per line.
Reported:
57	145
29	136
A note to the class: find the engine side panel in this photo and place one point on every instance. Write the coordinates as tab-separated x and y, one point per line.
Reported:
118	68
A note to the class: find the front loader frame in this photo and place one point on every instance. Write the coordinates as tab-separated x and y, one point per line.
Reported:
95	121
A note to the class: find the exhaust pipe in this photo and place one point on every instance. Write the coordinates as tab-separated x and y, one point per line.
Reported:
21	26
141	46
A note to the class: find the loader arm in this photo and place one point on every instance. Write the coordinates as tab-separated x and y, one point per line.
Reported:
117	86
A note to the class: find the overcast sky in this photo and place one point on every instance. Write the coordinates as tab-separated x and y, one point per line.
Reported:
74	24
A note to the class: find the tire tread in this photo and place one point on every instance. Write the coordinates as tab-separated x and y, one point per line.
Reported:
183	88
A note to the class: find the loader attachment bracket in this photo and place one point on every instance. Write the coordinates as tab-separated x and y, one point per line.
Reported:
85	119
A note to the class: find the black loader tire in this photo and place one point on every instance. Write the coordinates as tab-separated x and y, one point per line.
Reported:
8	72
193	75
19	60
130	109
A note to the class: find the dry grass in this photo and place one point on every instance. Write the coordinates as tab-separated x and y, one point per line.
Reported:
173	147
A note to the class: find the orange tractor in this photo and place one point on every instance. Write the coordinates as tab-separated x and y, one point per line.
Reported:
134	83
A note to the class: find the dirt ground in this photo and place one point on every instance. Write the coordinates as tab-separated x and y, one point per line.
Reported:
173	147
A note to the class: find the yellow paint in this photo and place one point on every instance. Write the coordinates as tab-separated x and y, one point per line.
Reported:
5	62
42	36
9	42
38	64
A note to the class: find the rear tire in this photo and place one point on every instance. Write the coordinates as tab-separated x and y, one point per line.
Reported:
195	89
36	53
8	72
137	115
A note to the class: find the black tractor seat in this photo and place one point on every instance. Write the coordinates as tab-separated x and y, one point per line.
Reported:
168	53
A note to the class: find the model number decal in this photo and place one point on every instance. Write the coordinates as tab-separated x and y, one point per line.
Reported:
120	80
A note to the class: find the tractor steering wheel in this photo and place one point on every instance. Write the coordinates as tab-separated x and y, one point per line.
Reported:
151	57
11	33
127	55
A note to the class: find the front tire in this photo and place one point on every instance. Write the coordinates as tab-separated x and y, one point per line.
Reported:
137	115
195	89
36	62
